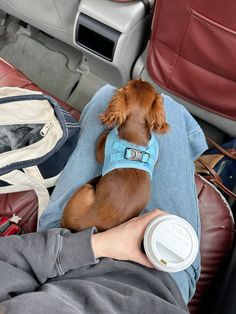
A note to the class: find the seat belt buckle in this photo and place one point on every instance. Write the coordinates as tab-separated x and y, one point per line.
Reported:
8	226
13	229
4	223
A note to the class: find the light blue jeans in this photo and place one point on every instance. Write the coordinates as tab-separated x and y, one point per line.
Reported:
173	185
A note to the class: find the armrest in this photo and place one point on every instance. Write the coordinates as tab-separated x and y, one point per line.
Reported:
111	35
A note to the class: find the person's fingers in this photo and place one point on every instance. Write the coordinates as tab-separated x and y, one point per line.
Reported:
142	259
120	241
152	214
142	222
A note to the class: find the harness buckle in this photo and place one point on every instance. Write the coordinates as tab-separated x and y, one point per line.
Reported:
136	155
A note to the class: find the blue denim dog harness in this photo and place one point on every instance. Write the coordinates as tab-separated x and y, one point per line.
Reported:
120	153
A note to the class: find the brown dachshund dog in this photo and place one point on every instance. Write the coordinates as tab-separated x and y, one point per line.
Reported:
136	110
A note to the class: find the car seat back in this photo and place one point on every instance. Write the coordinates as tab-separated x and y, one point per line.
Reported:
217	238
192	54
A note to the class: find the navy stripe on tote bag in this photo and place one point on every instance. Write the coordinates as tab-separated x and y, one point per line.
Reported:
37	137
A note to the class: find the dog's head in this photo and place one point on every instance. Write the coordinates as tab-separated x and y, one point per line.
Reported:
137	99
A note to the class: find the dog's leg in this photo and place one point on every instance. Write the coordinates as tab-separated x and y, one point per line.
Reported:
77	209
101	146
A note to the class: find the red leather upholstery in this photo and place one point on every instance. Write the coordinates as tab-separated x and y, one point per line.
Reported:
10	76
22	204
217	235
192	52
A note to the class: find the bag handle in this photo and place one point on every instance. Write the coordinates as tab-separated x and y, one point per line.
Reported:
231	153
26	183
215	179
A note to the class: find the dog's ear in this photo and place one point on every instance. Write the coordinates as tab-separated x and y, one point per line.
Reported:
156	117
116	112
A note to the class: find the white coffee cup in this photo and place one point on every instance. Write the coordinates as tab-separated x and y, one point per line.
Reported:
170	243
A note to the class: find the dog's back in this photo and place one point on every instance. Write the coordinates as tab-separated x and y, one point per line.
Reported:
136	111
118	196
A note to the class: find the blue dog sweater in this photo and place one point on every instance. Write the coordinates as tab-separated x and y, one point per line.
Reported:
120	153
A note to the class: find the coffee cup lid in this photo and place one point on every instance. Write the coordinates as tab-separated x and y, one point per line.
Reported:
170	243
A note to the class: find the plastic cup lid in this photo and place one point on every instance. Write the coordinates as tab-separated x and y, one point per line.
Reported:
170	243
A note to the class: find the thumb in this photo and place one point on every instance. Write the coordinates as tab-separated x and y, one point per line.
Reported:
148	217
153	214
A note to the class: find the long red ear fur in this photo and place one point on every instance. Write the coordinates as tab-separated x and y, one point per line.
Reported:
156	117
116	112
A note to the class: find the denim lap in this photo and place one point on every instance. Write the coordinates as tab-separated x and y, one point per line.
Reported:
173	185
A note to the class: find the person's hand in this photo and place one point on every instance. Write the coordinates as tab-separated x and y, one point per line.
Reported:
124	241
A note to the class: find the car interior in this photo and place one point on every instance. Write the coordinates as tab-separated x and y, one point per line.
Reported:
70	49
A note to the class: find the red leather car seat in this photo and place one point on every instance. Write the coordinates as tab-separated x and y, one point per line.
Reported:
192	52
217	238
187	57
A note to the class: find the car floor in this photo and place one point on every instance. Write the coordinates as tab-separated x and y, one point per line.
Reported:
53	65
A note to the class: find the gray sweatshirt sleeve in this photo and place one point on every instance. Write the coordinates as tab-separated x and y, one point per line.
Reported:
27	261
